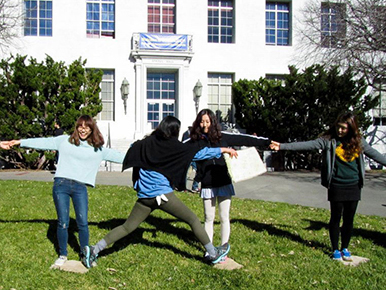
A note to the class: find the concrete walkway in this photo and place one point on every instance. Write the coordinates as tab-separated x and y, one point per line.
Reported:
301	188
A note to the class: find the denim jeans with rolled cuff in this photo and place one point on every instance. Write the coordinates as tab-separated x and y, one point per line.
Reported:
64	190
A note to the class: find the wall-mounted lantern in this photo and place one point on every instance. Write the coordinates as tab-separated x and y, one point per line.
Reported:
125	87
197	94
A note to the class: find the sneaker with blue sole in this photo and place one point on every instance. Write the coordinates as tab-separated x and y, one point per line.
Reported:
337	255
346	255
89	257
222	252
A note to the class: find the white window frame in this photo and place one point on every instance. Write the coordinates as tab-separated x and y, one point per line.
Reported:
379	113
332	25
38	20
161	101
100	32
162	4
220	95
108	79
220	26
276	28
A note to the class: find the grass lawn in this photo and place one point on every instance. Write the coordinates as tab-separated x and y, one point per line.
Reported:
281	246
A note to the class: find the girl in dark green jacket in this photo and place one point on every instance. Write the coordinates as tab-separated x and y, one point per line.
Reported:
343	171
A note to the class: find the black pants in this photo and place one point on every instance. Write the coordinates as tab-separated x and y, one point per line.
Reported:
347	209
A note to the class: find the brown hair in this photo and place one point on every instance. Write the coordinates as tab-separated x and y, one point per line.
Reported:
95	139
352	141
214	133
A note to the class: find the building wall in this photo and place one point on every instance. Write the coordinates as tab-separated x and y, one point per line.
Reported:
247	58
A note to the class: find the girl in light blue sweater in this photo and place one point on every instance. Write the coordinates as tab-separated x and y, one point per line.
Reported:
79	158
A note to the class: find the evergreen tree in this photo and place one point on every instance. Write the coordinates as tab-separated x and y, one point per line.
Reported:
34	95
300	107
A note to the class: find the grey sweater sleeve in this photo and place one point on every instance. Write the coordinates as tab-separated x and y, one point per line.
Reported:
372	153
316	144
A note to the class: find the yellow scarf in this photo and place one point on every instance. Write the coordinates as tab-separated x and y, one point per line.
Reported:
344	155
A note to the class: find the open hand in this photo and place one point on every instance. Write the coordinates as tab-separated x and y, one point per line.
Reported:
232	152
5	145
274	145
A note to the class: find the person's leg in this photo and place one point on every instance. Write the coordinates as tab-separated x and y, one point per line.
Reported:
61	197
80	201
209	213
334	229
224	205
349	210
138	214
178	209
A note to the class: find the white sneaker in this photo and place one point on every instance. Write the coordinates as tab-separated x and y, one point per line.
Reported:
60	261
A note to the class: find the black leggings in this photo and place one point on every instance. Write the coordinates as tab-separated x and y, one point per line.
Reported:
347	209
142	209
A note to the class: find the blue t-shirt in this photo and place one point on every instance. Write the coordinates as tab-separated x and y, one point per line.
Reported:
151	183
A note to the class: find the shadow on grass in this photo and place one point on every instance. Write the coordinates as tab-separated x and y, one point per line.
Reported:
377	238
274	231
136	237
161	225
51	232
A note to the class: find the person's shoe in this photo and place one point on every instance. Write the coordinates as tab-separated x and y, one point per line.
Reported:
224	247
346	255
221	254
60	261
89	257
337	255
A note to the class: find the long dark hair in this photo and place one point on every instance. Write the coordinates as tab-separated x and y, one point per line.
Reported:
214	132
168	128
95	139
352	141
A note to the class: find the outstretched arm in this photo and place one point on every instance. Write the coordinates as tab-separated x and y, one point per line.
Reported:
232	139
213	152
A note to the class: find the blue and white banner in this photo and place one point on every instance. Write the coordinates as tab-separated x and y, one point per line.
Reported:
163	41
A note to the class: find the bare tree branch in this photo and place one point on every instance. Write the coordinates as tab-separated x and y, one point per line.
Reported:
11	18
356	36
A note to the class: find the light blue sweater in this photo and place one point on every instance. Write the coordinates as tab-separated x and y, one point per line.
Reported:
78	163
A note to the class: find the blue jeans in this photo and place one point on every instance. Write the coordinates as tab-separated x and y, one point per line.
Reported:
63	190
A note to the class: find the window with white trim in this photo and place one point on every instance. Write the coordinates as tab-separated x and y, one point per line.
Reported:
277	23
220	95
160	96
379	113
276	77
220	21
161	16
100	18
107	96
37	18
332	22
